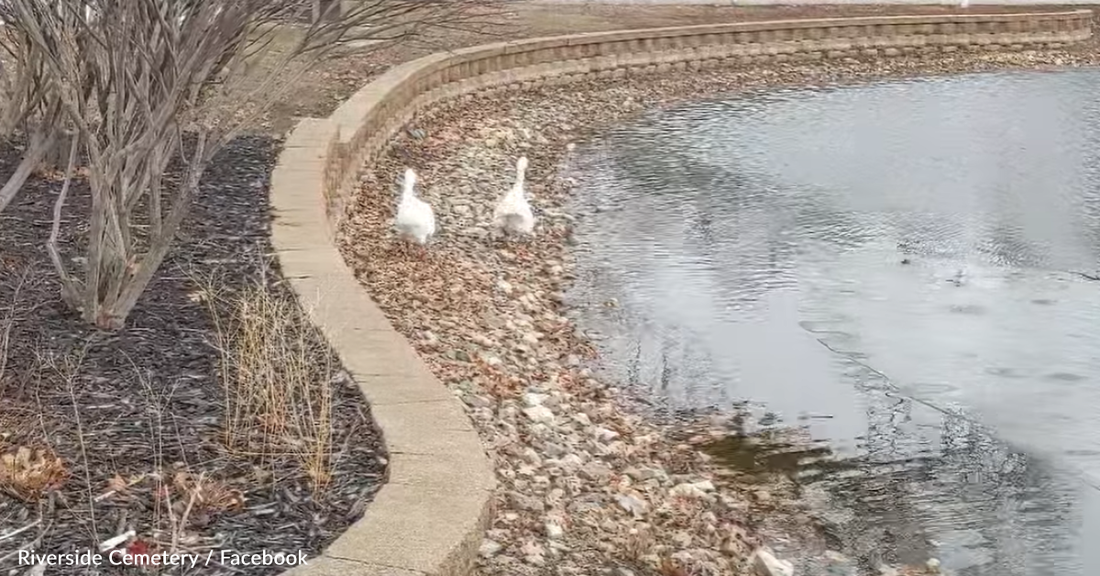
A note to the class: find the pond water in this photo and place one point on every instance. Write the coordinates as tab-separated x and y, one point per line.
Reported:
897	266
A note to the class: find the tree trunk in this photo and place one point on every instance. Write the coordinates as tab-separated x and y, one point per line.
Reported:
56	157
328	10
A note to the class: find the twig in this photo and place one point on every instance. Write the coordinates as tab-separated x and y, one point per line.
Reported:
69	377
9	321
69	289
113	542
178	529
31	546
19	531
110	493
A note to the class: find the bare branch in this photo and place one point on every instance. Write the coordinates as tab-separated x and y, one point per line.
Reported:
70	288
155	88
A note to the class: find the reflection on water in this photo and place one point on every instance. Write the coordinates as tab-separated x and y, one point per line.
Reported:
893	263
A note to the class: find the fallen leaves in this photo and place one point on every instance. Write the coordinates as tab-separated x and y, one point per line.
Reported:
28	474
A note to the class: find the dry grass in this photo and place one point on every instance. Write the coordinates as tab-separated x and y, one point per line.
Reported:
278	396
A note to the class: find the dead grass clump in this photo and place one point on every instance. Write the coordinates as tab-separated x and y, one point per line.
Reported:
29	473
191	501
205	495
277	375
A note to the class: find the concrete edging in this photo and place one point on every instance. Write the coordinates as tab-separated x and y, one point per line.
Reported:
430	516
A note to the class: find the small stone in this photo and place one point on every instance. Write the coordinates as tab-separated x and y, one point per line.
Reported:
489	548
532	457
570	461
525	502
605	435
596	471
533	553
687	490
540	414
475	401
504	286
533	399
764	563
632	504
553	531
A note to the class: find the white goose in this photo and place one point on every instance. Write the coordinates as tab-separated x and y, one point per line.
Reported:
415	220
513	213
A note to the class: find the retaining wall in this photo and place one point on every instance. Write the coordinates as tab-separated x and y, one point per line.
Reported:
429	517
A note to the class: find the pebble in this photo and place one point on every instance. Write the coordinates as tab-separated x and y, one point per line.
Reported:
764	563
553	531
539	414
489	548
632	504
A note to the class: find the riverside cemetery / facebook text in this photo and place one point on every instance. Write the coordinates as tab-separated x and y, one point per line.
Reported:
126	558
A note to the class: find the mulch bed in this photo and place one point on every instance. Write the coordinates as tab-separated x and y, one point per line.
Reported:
120	408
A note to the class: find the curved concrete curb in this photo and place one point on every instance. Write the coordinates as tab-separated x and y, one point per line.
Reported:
430	515
429	518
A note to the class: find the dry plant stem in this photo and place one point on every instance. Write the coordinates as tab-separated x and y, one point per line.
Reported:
19	531
40	143
30	546
178	528
70	377
70	289
8	322
111	493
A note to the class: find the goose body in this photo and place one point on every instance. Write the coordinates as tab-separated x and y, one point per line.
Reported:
513	213
415	220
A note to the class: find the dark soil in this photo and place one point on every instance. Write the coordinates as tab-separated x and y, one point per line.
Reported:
149	400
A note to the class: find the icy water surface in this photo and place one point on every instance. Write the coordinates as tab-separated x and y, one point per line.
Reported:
895	265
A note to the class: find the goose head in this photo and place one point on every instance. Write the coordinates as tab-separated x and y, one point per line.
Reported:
521	173
408	184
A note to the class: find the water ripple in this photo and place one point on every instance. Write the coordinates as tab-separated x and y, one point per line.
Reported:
899	257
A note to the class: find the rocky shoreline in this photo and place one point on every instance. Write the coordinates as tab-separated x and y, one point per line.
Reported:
588	483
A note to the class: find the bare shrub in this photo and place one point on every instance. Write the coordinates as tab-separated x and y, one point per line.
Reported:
153	90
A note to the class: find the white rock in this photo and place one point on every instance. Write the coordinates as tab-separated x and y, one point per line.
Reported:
533	553
705	486
553	531
764	563
605	435
689	490
632	504
504	286
533	399
570	461
582	419
540	414
489	548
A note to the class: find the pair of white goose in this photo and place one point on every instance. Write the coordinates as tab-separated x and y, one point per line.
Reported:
415	220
